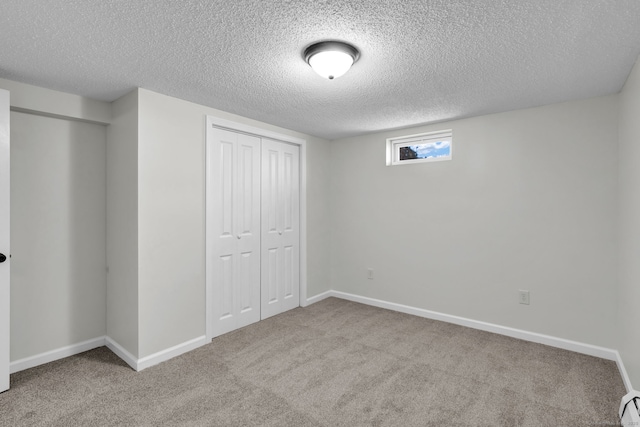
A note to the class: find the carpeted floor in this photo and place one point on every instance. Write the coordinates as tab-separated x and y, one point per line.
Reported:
335	363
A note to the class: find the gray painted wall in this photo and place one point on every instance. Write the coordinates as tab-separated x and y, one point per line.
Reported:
47	102
122	223
629	226
171	222
58	209
153	158
318	216
528	202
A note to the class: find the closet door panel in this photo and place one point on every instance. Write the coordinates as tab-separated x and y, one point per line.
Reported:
248	230
271	229
281	227
226	167
289	271
234	165
222	152
226	280
290	239
271	276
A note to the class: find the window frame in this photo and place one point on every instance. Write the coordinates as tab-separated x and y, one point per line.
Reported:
395	144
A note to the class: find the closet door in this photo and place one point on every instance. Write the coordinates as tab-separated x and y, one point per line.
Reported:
233	207
280	227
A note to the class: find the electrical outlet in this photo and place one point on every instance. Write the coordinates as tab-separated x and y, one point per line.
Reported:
523	297
370	273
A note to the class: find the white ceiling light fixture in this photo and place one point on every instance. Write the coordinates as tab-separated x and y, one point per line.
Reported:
331	59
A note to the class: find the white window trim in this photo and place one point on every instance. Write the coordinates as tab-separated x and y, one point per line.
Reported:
394	145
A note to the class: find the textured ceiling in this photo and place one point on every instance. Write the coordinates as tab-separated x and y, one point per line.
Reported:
421	61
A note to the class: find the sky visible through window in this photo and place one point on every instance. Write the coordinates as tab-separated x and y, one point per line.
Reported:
426	150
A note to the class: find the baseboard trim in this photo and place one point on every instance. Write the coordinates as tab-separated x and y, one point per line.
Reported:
128	358
317	298
177	350
171	352
123	354
578	347
53	355
623	373
156	358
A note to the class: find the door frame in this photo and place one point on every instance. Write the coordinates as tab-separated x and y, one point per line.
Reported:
5	240
233	126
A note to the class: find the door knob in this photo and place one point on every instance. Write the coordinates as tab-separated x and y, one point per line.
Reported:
280	233
239	237
3	258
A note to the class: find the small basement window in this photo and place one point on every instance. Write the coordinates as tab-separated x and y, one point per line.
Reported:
424	147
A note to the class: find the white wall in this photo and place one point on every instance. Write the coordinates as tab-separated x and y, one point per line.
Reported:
153	296
528	202
318	216
51	103
171	171
122	223
58	209
629	226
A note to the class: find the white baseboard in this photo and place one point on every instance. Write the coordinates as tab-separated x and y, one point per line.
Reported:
53	355
131	360
623	373
319	297
578	347
171	352
161	356
154	359
123	354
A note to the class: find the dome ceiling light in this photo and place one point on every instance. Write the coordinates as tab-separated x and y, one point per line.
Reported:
331	59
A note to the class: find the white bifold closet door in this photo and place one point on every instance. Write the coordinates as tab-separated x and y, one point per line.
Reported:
233	216
280	227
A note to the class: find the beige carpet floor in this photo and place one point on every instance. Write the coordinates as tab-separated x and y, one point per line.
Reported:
335	363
